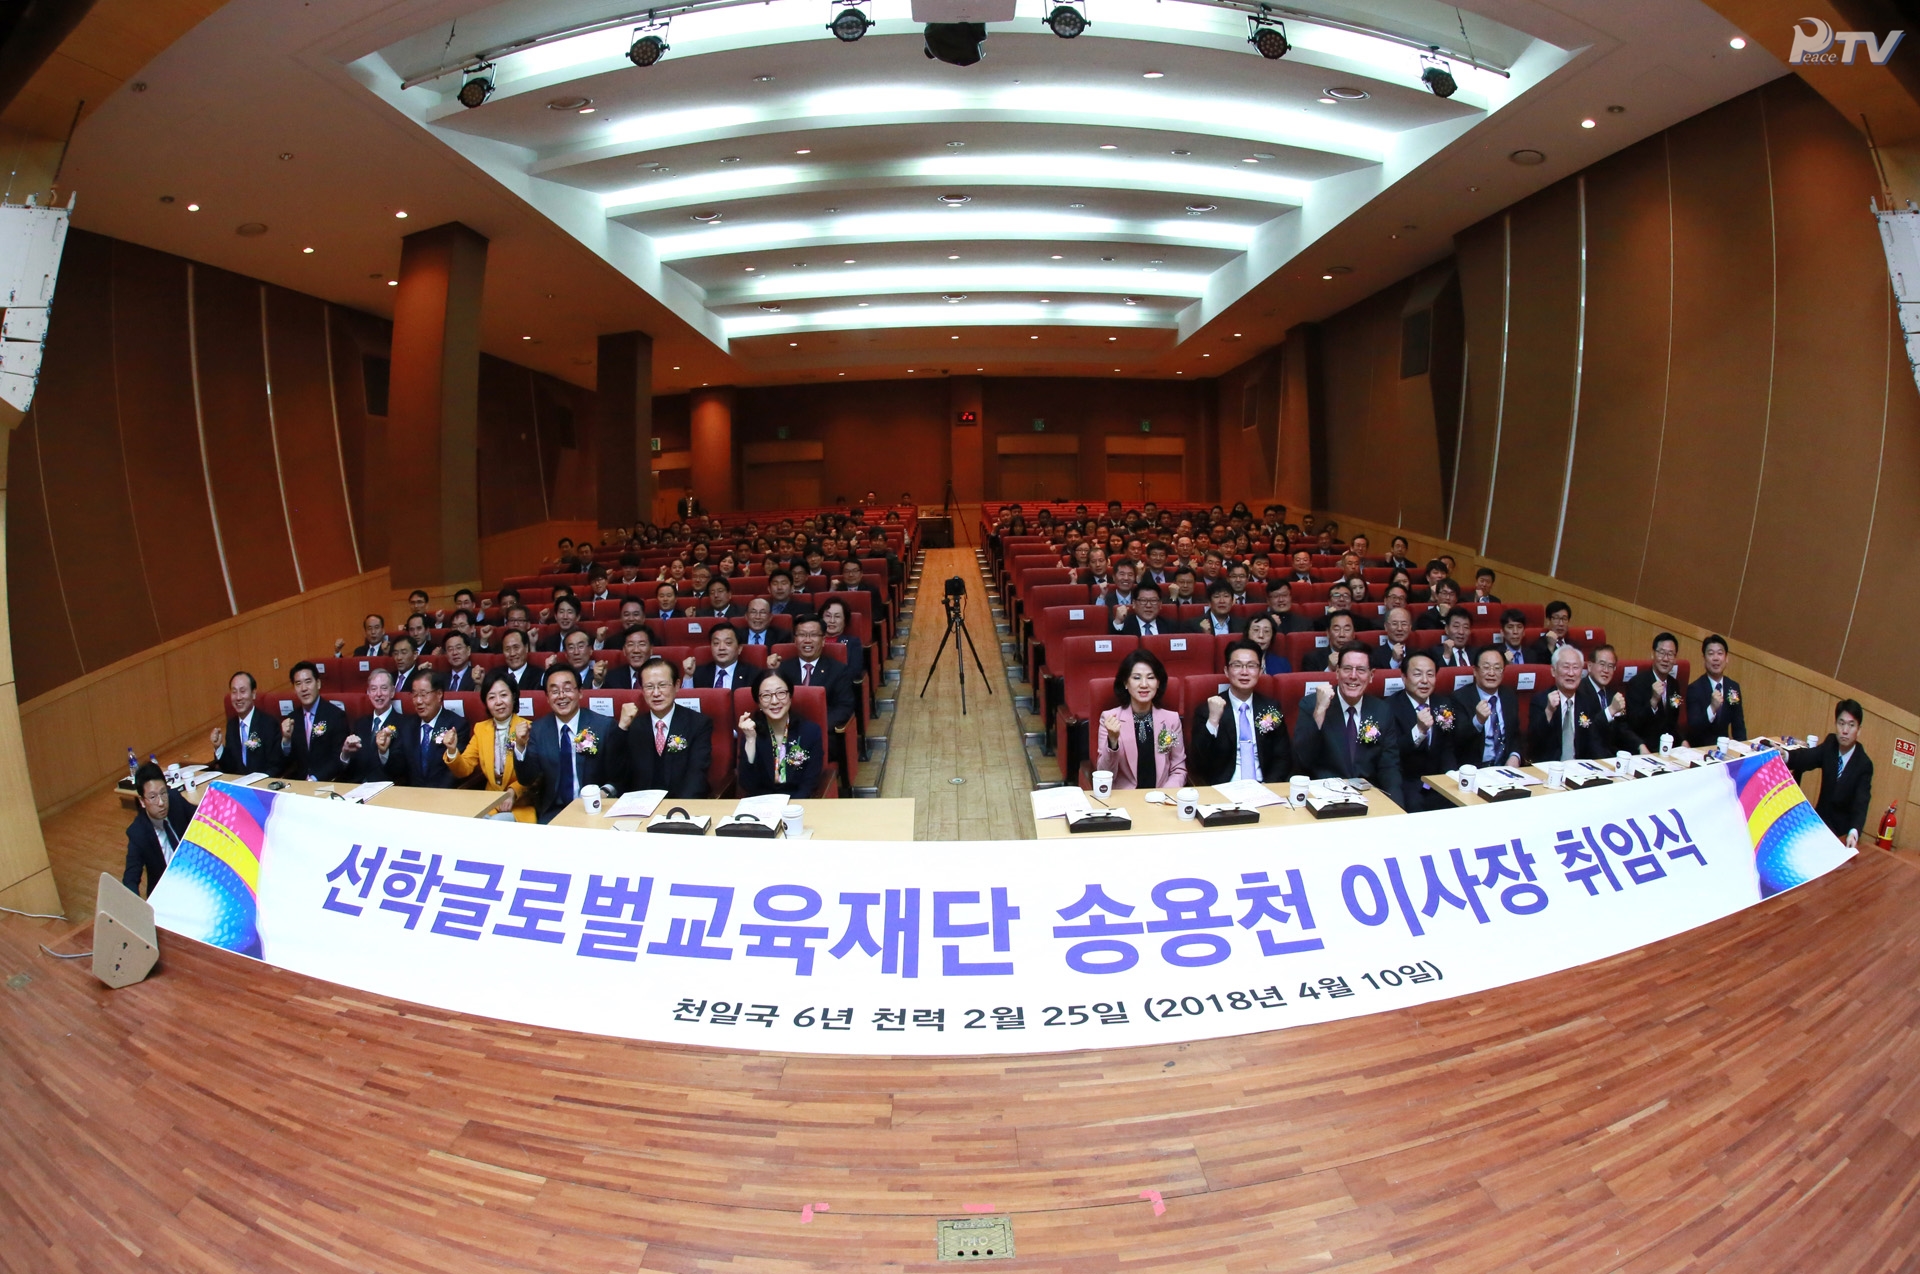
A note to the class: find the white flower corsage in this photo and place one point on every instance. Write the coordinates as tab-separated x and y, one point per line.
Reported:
676	743
1268	721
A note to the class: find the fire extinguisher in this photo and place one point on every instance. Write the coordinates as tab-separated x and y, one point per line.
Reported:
1889	823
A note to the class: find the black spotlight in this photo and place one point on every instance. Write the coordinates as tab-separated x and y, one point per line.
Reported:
1066	21
957	43
849	25
477	89
1435	75
1270	39
647	50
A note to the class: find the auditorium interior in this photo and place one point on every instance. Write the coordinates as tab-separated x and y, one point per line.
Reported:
1531	382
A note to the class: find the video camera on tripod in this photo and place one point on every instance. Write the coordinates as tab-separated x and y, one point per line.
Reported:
954	598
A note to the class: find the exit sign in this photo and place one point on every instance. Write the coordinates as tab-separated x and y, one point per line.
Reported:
656	444
1146	426
1039	425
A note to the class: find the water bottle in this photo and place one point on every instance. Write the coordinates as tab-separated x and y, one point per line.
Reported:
133	766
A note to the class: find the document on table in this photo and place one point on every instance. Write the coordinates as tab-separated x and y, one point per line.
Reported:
765	808
1248	793
638	804
366	791
1057	802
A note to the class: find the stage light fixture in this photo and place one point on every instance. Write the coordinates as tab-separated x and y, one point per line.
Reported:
478	87
648	46
849	25
956	43
1066	21
1435	74
1269	37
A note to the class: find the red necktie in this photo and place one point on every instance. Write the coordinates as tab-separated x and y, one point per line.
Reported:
659	736
806	674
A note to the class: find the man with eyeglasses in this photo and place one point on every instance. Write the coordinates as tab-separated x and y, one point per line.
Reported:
1239	734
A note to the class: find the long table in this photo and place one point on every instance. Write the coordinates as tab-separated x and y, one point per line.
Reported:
1151	819
885	818
454	802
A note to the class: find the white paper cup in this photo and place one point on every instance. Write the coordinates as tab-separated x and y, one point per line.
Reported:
1556	775
1723	741
794	816
1297	788
1666	744
1469	779
1103	783
590	795
1189	799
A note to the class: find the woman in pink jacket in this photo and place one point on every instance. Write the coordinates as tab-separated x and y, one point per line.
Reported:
1140	741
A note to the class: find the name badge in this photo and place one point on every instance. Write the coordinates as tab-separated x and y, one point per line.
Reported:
1102	647
1076	613
1178	643
1526	681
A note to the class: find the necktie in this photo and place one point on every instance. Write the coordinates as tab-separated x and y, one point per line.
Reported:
1147	629
720	678
242	724
309	715
426	742
1567	714
659	736
806	674
1249	755
1496	737
1353	735
566	756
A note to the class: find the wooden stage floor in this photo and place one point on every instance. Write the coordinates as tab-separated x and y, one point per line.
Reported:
1742	1098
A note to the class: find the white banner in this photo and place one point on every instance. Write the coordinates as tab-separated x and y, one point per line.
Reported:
980	947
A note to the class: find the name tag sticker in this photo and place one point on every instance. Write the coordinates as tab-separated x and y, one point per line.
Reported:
366	665
1320	641
1178	643
526	705
286	707
1102	647
1626	674
1589	634
693	628
457	708
1395	685
1480	610
1526	681
1076	613
602	704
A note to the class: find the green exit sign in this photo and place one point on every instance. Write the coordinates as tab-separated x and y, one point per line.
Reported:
1039	425
656	444
782	432
1146	426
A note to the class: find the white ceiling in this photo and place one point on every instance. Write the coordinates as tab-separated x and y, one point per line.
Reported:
767	200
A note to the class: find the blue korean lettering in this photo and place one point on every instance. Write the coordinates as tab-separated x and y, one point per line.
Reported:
464	908
1523	898
409	881
358	871
1260	898
788	939
1381	907
1190	949
945	926
1437	892
686	935
537	887
1099	935
615	912
899	947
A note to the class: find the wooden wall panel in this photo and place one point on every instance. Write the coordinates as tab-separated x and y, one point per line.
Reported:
233	406
886	436
303	422
1829	383
1623	388
1541	342
1361	352
89	509
1090	410
154	375
362	436
510	469
44	651
1723	316
1481	251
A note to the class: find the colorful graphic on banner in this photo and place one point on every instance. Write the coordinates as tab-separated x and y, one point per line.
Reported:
981	947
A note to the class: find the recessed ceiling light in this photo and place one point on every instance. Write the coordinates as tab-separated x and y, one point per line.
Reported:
1198	208
1113	338
568	103
979	369
1033	338
771	307
1340	269
803	152
193	207
1106	258
1249	160
1057	257
1130	301
1153	75
955	200
1109	146
793	344
1737	42
729	159
750	269
1155	261
586	110
1347	93
706	214
840	373
1527	157
953	256
307	250
1206	356
848	261
1236	336
833	210
1046	300
954	298
1180	152
250	229
1076	205
526	338
393	283
956	338
401	215
1326	276
864	304
763	79
676	367
956	145
1330	101
1587	123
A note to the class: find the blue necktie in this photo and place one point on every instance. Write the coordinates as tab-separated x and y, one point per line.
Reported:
426	741
566	759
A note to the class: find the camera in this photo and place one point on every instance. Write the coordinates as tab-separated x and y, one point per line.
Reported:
956	586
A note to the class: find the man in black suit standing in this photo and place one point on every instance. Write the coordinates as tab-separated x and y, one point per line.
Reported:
1424	732
687	507
670	747
1240	734
1846	774
1713	700
250	741
1655	695
362	751
1489	715
1347	733
313	734
156	828
420	739
1567	721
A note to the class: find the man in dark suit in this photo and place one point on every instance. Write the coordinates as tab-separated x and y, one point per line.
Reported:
1567	721
1424	732
1340	634
156	828
567	749
1559	615
1302	569
420	739
1280	609
566	617
1144	617
720	603
1347	734
1240	734
811	666
462	676
667	746
514	647
1713	700
1456	642
1393	653
666	603
635	651
687	507
1512	640
1489	714
376	632
1655	695
1218	620
313	734
1445	594
1846	774
1603	666
781	599
725	670
361	750
250	741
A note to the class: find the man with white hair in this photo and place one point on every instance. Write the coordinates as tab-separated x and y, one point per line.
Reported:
1567	721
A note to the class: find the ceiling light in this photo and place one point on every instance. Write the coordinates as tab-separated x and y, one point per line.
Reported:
568	103
729	159
750	269
1236	336
793	344
1435	74
1106	258
1076	205
1270	38
1347	93
953	256
1586	123
193	207
763	79
676	367
1153	75
586	110
307	250
956	43
250	229
1129	301
705	214
1249	160
848	26
956	338
1066	21
863	305
477	89
1109	146
526	338
803	152
647	49
955	200
1206	356
840	373
1329	101
1326	276
1737	42
401	215
1057	256
771	307
1181	153
1033	338
848	261
1197	208
956	145
1113	338
954	298
1528	158
393	283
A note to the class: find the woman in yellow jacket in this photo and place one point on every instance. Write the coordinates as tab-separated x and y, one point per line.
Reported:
490	750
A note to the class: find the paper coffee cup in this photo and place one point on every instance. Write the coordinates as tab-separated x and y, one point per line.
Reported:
1297	788
1666	744
1189	799
590	795
1469	779
1556	774
1102	783
794	816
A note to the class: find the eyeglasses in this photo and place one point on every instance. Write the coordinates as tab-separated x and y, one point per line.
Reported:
1242	665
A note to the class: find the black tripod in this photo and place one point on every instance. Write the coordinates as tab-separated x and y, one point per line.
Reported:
956	604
